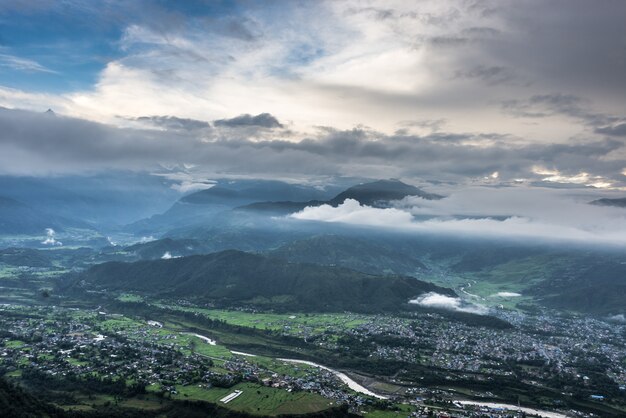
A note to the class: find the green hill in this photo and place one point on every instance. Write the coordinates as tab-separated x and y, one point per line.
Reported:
19	218
364	255
25	257
592	284
235	277
17	403
158	248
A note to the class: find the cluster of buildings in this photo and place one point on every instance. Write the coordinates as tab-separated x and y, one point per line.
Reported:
79	344
538	346
86	346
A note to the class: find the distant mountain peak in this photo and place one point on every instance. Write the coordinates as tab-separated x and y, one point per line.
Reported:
376	193
380	192
619	202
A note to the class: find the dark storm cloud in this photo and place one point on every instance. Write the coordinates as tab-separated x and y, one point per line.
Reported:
448	41
481	31
173	122
35	143
575	46
613	130
264	120
545	105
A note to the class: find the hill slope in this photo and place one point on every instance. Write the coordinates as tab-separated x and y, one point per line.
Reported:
377	194
159	248
202	207
25	257
19	218
620	203
238	277
354	253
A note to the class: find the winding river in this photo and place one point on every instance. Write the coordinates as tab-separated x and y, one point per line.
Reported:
342	376
361	389
530	411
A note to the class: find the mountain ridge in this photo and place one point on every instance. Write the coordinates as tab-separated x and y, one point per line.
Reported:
617	202
234	276
377	194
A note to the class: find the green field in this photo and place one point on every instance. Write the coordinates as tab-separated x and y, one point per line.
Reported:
400	410
13	344
129	297
292	323
515	276
257	399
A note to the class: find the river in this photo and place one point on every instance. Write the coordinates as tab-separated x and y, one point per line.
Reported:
361	389
203	338
546	414
342	376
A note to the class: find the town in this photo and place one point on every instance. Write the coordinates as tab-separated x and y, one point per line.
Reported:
105	352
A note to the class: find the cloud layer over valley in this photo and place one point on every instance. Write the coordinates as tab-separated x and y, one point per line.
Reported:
515	212
449	303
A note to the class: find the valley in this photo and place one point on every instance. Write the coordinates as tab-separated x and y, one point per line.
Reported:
416	360
249	314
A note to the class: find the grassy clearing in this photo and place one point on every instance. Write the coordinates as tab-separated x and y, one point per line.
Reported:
259	400
402	410
76	362
292	323
128	297
121	324
14	344
146	402
85	403
7	272
14	373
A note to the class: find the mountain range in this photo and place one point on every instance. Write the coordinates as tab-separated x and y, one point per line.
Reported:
18	218
376	194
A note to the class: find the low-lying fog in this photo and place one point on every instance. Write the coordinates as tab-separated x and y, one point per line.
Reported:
505	212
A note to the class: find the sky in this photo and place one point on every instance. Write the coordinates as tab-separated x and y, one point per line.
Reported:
500	93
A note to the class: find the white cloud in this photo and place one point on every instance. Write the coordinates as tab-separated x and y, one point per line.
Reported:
50	238
338	64
584	178
507	295
23	64
506	212
436	300
191	186
375	63
351	211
